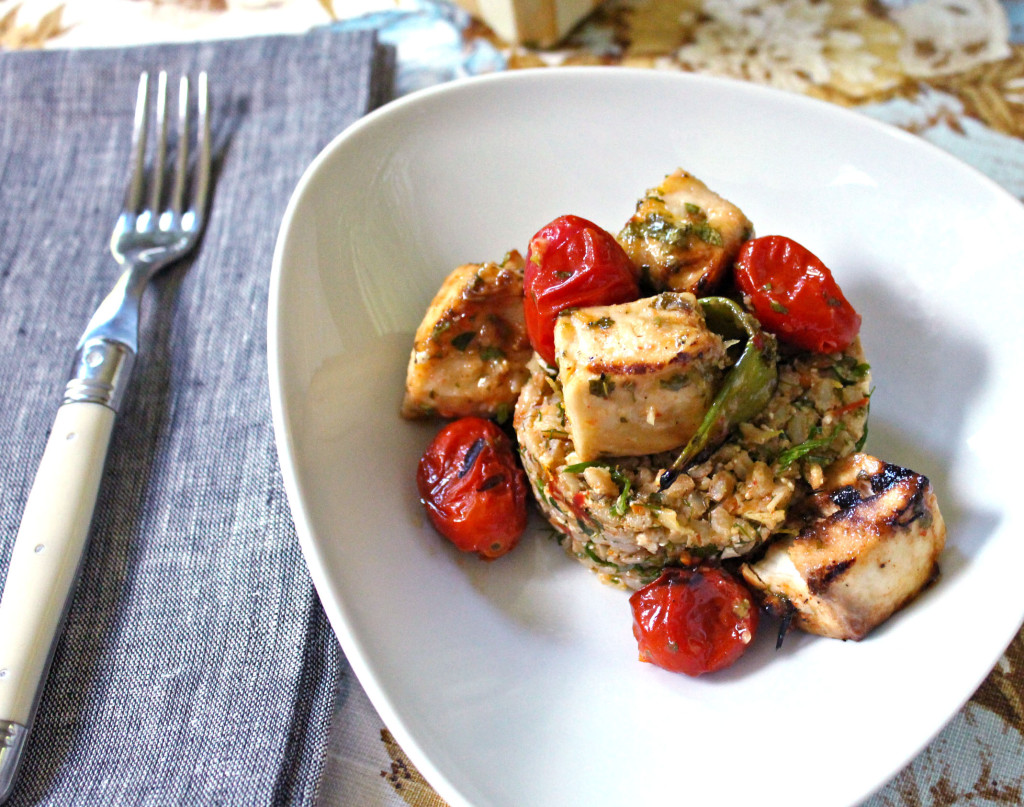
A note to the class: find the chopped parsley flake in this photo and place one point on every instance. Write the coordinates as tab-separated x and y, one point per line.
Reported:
579	467
674	382
708	234
808	446
602	387
461	342
588	549
622	503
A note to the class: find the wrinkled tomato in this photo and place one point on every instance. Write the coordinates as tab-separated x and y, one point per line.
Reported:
694	620
794	295
572	263
472	487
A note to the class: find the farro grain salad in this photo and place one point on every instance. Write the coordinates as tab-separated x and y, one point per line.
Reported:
689	404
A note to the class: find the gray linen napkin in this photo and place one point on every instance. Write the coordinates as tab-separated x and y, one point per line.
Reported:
196	666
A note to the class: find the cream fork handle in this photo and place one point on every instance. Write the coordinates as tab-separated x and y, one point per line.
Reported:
44	565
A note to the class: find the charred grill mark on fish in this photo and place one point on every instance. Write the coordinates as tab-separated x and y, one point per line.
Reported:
820	580
867	544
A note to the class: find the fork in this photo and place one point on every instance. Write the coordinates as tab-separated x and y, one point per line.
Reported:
155	229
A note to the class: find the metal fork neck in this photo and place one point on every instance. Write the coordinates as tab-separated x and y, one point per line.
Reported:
100	373
12	741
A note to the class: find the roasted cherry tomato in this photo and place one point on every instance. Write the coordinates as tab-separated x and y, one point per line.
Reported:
693	620
572	263
473	488
794	295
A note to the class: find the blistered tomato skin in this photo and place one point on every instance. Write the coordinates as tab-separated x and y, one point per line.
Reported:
693	621
473	488
794	295
572	263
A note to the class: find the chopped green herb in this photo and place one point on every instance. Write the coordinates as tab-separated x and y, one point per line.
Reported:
461	342
850	371
647	574
859	446
747	531
602	322
588	549
670	302
808	446
675	382
502	413
579	467
541	490
692	209
778	307
659	228
557	536
622	503
585	528
619	478
708	234
602	387
490	352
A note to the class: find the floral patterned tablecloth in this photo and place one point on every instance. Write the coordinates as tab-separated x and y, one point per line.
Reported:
950	71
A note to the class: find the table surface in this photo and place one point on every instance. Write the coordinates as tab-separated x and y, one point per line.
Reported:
951	72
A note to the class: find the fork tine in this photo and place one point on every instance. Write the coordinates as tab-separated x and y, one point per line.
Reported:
181	165
133	195
160	153
202	183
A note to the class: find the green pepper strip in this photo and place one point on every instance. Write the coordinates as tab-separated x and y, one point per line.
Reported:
748	386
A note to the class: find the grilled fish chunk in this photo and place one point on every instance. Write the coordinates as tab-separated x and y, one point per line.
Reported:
870	544
636	377
683	236
470	351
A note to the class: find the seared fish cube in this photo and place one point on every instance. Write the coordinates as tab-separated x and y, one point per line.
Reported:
636	377
470	351
683	236
870	544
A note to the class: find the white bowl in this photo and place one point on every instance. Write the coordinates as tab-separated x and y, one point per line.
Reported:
517	682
